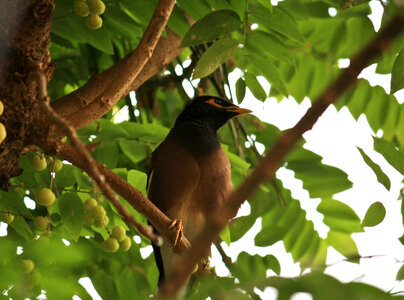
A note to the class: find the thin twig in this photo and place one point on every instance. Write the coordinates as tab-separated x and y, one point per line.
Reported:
270	163
40	80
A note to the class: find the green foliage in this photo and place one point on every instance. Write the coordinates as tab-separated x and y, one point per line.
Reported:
295	46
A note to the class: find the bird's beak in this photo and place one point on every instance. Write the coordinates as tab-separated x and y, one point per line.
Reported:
238	110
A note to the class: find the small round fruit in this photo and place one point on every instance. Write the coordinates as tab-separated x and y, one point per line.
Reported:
6	217
3	132
94	22
125	244
45	197
81	9
26	266
1	107
97	7
34	277
98	212
88	219
38	162
41	223
55	166
119	233
111	244
101	223
89	204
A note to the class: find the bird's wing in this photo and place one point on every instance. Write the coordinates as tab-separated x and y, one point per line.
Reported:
173	177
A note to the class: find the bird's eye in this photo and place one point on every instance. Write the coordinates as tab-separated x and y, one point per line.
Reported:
218	101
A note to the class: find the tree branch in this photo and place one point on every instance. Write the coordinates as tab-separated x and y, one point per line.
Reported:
124	189
102	91
270	163
40	80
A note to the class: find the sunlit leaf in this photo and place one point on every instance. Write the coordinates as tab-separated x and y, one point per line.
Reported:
375	214
393	156
381	176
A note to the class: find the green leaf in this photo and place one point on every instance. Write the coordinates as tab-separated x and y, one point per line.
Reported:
22	228
397	75
71	211
381	176
260	42
319	180
264	67
107	153
393	156
254	267
400	274
278	21
225	235
375	215
135	151
344	244
240	89
214	25
64	177
255	87
216	54
138	180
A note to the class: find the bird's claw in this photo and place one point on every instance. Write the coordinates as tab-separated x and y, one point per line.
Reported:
177	225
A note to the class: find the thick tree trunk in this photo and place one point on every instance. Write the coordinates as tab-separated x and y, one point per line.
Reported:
24	42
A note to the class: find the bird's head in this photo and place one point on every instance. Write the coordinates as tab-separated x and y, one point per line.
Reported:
209	110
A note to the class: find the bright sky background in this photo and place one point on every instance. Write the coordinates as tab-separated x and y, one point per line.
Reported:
335	137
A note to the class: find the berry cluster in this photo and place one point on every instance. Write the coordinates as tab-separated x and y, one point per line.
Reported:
94	215
117	240
91	11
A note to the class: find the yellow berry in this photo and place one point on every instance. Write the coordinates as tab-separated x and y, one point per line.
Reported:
45	197
125	244
1	107
3	132
6	217
94	22
97	7
41	223
88	219
111	244
101	223
81	9
38	162
55	166
119	233
26	266
98	212
89	204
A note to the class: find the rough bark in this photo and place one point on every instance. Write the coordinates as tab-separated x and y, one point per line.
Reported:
24	42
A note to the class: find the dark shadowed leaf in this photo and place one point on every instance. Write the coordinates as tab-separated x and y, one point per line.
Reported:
216	54
397	75
255	87
214	25
240	89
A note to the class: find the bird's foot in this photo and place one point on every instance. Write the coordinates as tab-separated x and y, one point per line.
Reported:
177	225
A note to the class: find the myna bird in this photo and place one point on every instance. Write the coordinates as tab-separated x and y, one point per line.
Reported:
189	176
